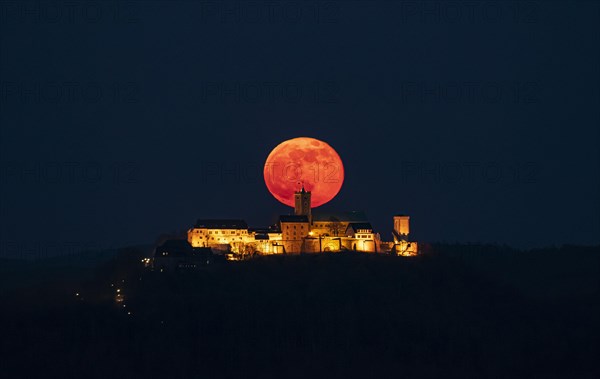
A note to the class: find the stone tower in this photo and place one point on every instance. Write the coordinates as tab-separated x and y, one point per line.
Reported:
401	225
302	203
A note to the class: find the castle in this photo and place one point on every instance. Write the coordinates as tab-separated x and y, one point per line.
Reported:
302	232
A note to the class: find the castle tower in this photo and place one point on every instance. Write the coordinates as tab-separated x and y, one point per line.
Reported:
302	203
401	225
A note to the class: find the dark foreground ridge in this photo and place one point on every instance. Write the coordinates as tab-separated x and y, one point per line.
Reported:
457	311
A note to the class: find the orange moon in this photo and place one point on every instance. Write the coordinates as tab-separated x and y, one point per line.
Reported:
304	160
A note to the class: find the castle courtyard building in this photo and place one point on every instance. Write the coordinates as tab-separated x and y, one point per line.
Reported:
219	234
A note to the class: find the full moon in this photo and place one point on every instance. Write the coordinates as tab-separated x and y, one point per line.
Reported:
304	161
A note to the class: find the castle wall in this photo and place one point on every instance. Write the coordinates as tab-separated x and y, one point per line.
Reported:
292	246
320	228
406	248
204	237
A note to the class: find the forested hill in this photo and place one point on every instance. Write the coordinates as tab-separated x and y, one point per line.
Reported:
457	311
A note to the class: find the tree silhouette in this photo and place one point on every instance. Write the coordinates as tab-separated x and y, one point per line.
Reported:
334	226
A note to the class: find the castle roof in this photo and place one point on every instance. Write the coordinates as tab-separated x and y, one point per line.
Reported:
302	190
360	226
221	224
293	218
174	248
351	216
265	230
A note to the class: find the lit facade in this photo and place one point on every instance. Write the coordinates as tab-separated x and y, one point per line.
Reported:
304	231
219	234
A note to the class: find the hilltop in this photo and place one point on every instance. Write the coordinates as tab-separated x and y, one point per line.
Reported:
455	311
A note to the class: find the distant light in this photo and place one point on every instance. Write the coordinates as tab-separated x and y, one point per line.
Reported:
77	294
118	290
128	313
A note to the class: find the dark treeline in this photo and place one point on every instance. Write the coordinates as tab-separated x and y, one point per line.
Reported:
457	311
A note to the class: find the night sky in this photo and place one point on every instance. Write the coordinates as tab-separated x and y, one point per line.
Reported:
121	121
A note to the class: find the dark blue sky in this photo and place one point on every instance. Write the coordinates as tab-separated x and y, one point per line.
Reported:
120	121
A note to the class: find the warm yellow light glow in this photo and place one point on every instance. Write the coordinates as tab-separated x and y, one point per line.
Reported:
305	237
